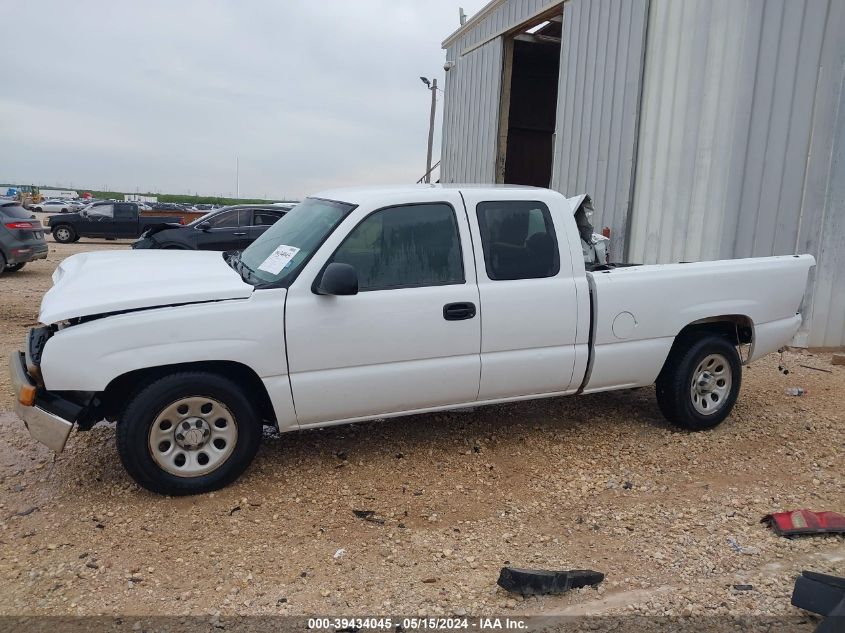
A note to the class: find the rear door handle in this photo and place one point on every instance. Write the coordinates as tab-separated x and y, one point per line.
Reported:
459	311
238	233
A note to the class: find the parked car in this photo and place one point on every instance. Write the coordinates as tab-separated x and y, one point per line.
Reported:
55	206
378	302
21	237
109	220
167	206
229	228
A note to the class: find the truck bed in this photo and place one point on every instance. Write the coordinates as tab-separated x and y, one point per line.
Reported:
637	311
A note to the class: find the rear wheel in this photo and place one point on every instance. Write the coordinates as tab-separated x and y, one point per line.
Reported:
64	234
2	263
188	433
700	382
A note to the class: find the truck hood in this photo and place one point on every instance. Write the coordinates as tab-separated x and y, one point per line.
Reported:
115	281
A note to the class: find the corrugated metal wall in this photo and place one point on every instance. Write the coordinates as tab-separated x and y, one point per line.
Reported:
736	145
733	120
821	230
471	115
473	90
598	102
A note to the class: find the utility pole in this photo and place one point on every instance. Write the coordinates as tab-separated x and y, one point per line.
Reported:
432	85
237	177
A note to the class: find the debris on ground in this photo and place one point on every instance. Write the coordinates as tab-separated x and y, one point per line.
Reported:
837	359
797	522
368	515
827	371
796	391
741	549
824	595
536	582
25	512
340	553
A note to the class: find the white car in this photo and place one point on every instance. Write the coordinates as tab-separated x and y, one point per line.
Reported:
57	206
377	302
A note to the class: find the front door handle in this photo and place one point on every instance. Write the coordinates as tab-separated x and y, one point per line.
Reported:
459	311
239	234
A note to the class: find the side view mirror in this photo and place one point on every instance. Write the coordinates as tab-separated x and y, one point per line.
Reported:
338	279
204	226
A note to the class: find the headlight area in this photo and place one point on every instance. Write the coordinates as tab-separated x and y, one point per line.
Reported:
36	339
83	407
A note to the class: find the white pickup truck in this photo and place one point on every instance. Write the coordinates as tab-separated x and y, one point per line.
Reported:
377	302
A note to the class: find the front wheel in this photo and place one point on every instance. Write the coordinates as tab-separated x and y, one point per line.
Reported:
700	382
64	234
188	433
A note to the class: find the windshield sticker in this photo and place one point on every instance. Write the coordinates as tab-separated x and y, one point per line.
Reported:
278	259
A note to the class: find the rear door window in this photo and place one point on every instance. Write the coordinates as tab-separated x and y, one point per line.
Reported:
264	217
124	212
518	239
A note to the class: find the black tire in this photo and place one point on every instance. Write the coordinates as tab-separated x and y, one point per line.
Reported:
135	430
677	396
13	268
63	233
2	263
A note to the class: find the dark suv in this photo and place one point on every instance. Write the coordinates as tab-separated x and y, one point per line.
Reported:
21	237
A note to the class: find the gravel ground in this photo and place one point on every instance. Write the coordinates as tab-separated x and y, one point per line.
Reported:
600	482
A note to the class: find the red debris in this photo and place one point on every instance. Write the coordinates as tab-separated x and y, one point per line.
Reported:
795	522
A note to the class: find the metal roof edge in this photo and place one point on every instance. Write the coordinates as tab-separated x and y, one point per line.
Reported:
486	10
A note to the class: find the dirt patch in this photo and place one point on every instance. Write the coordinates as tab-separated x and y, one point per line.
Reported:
598	482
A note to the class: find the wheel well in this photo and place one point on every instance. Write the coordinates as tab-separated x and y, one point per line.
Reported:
737	328
111	401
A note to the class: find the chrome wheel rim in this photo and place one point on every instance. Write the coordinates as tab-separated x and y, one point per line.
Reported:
193	436
711	384
63	234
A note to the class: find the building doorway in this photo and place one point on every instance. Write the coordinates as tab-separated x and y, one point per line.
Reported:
528	108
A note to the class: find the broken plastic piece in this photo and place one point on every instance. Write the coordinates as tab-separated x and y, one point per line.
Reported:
822	594
535	582
796	522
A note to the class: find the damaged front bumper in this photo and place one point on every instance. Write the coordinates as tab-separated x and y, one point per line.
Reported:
48	417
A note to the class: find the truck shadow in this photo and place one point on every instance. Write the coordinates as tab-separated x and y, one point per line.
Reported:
629	412
538	428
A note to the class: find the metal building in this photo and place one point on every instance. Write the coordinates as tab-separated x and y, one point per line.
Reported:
703	129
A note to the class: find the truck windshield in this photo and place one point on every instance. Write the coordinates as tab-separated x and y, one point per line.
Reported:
277	256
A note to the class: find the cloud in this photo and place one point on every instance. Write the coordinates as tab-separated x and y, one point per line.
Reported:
164	95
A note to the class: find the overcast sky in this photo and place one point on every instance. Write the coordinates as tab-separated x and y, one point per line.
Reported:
162	95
